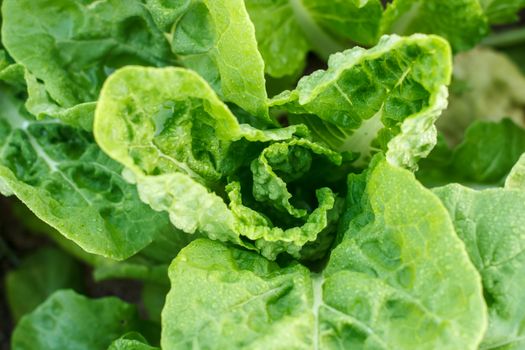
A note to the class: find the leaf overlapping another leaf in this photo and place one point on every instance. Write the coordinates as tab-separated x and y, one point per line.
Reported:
400	279
71	46
386	98
185	150
217	39
63	176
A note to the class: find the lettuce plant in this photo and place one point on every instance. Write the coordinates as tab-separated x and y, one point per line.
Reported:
259	203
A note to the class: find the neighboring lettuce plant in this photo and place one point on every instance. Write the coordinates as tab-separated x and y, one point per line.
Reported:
497	93
262	201
474	161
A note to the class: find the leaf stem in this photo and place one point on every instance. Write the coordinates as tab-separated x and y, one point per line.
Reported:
322	43
505	39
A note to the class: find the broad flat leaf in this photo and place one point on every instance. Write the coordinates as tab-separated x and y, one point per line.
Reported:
461	22
73	45
227	298
496	94
502	11
148	265
216	39
492	226
66	180
386	98
400	279
60	323
40	274
476	160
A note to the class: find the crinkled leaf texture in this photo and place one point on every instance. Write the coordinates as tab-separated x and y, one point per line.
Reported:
181	145
71	46
461	22
217	39
385	98
400	279
68	182
67	320
282	162
492	226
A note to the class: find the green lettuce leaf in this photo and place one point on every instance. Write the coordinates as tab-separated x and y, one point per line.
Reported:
60	323
516	177
207	213
149	265
39	275
502	11
237	300
483	162
216	39
401	271
400	279
69	183
71	46
153	296
280	39
284	162
271	240
136	269
287	29
461	22
38	227
157	121
131	341
484	157
386	98
355	20
492	226
180	145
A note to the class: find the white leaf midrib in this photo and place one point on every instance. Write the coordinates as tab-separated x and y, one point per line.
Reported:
317	289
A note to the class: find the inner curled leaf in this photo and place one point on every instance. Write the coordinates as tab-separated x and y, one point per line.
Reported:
190	157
